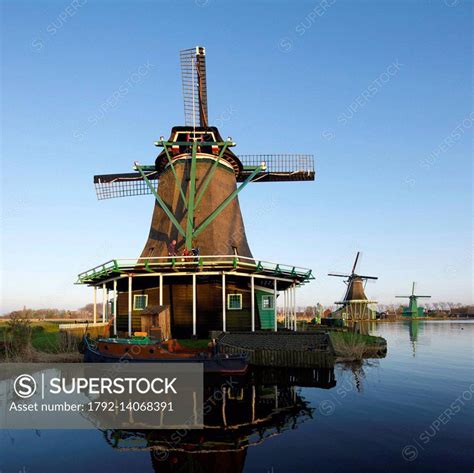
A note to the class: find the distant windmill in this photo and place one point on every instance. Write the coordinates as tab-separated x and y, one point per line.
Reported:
355	303
413	310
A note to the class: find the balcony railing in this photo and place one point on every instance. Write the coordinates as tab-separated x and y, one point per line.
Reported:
163	264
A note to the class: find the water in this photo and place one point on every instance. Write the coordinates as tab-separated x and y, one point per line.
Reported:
411	411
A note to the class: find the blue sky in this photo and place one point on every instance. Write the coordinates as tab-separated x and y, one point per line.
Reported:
380	92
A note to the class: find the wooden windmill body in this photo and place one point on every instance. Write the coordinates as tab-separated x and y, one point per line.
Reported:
209	279
355	305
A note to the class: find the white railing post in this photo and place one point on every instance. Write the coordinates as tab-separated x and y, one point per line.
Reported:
95	304
290	307
161	289
294	306
224	323
275	327
115	306
252	295
194	305
129	306
104	306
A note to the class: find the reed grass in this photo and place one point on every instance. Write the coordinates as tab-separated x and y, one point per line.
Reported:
349	345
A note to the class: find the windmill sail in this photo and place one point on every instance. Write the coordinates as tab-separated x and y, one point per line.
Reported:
279	167
110	186
193	73
355	262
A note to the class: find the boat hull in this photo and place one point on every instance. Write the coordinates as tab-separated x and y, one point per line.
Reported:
212	363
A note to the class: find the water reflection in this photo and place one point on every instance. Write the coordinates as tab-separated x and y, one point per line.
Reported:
379	407
413	330
238	414
364	327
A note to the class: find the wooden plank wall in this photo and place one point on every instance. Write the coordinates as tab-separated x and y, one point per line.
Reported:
209	307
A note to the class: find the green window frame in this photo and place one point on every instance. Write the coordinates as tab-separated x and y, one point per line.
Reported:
140	301
234	301
268	302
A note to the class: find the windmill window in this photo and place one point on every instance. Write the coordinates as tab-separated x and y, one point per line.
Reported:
234	301
140	301
267	302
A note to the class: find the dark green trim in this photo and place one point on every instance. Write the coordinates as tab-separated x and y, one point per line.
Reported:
188	143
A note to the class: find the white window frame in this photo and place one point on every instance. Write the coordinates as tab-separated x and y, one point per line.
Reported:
271	298
135	296
228	301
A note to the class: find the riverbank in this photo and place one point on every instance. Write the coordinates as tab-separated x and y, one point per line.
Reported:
35	342
350	346
43	342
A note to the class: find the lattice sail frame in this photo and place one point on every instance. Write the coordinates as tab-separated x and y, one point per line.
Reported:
193	74
279	167
111	186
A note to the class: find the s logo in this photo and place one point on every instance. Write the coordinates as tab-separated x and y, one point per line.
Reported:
24	386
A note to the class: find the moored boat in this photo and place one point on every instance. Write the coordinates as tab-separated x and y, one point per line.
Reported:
145	350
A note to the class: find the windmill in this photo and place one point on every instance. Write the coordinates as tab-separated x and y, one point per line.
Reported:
355	304
413	310
197	245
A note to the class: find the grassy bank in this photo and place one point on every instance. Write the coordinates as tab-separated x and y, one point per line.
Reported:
38	341
44	336
355	346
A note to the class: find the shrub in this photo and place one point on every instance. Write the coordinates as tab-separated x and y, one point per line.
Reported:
17	336
349	344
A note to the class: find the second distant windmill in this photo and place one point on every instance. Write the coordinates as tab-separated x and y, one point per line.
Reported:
413	310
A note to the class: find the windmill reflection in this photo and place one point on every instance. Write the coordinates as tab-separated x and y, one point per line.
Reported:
413	331
237	415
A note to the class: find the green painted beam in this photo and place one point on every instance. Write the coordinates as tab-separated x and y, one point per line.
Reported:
147	267
160	201
227	201
206	182
178	182
191	199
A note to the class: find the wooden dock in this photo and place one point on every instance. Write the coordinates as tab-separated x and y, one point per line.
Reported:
283	349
